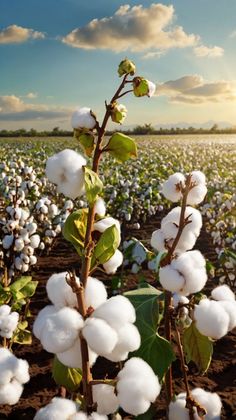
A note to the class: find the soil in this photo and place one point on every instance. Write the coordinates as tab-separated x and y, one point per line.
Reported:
220	378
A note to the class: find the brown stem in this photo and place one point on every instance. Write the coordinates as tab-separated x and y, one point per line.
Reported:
167	320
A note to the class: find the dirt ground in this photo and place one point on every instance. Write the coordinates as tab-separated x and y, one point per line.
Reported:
220	378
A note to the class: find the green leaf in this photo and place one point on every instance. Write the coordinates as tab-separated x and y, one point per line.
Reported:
20	283
74	229
29	289
64	376
87	142
22	336
198	348
5	295
155	350
122	147
106	246
93	185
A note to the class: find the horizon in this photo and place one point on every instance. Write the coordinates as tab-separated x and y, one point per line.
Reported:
50	66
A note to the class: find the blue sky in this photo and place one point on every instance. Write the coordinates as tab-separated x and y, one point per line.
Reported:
187	47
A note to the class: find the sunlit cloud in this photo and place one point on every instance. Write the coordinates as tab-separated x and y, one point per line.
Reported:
193	89
17	34
133	28
212	52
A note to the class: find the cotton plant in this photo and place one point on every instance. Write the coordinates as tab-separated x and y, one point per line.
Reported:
82	323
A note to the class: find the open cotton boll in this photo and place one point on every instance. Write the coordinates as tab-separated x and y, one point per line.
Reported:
100	207
196	195
79	416
223	293
72	357
191	214
198	177
61	329
21	371
105	223
41	319
65	169
171	279
95	293
82	118
114	262
8	324
10	393
230	308
130	396
4	310
128	340
177	410
58	408
104	396
116	311
96	416
170	188
35	241
100	337
179	299
158	240
210	401
211	319
59	291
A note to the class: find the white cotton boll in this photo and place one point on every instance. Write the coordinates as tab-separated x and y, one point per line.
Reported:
179	299
171	279
223	293
21	371
58	408
82	118
32	259
116	311
198	177
170	188
177	410
7	241
100	336
34	241
158	240
211	319
95	293
24	268
61	330
131	397
65	169
8	324
59	291
210	401
10	393
128	340
196	195
78	416
17	213
19	244
53	210
114	262
96	416
4	310
72	357
104	224
104	396
41	319
100	207
230	308
151	88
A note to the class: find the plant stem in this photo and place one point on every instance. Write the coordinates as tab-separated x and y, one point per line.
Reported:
167	326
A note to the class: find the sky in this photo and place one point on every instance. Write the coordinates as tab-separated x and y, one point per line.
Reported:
56	55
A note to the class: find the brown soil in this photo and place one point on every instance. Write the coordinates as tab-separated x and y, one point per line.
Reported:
220	378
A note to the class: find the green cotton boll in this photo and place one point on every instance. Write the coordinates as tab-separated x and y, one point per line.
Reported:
126	67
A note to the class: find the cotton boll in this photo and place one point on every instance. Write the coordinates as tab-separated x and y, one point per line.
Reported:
95	293
21	371
179	299
100	337
223	293
130	396
171	279
170	188
191	266
230	308
79	416
116	311
10	393
211	319
4	310
210	401
7	241
8	324
61	330
100	207
34	241
198	177
96	416
72	357
58	408
177	410
41	319
19	244
59	291
113	263
128	340
151	88
104	396
82	118
158	240
105	223
196	195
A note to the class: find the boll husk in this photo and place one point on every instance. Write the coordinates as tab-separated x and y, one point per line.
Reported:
83	118
65	169
211	319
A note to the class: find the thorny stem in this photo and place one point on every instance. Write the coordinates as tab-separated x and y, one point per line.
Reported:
86	261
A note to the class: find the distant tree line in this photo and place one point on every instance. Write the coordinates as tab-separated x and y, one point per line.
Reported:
138	130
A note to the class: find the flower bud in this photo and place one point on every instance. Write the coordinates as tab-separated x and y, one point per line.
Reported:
118	113
126	67
143	87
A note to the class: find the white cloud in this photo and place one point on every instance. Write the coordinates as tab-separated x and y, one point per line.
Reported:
193	89
233	34
212	52
153	54
133	28
17	34
31	95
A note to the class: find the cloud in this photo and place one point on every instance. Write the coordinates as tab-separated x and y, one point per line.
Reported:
193	89
17	34
233	34
13	108
153	54
204	51
31	95
133	28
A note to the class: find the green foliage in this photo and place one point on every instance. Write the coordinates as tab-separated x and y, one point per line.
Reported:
74	229
155	350
87	142
64	376
122	147
22	335
18	292
198	348
106	246
93	185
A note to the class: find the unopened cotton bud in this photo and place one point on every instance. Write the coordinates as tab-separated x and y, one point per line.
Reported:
223	293
83	118
143	87
118	113
104	396
126	67
113	263
100	336
211	319
171	188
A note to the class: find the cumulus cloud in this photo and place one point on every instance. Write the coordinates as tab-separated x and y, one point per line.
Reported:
212	52
193	89
17	34
31	95
13	108
133	28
